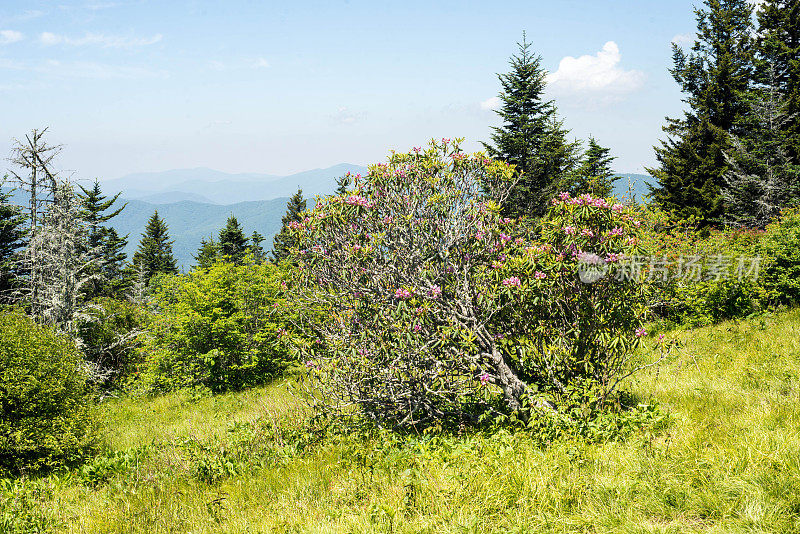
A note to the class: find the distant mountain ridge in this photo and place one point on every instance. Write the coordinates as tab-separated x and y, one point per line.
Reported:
217	187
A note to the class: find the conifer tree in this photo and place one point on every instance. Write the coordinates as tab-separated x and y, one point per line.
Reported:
105	247
12	240
778	63
232	241
255	247
594	175
531	137
342	183
715	76
154	254
284	241
206	254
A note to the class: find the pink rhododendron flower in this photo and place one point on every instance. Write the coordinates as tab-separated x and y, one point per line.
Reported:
569	230
484	378
616	231
512	282
417	327
435	292
402	293
564	195
641	332
587	232
539	275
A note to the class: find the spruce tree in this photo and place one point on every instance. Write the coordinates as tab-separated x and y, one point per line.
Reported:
12	240
154	254
284	241
342	183
255	247
207	253
531	137
594	175
778	63
232	241
105	247
715	76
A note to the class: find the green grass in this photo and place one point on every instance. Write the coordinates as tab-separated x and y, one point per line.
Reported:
729	461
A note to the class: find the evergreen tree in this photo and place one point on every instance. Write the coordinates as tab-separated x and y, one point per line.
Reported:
284	241
594	175
105	247
342	183
531	137
232	241
206	254
154	254
761	179
778	64
255	247
715	77
12	240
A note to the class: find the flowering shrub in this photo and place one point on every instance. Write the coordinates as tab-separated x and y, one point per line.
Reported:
437	309
781	253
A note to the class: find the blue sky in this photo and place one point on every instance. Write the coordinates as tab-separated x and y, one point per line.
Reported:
281	87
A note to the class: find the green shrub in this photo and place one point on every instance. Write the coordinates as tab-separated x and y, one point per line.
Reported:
780	252
109	337
220	328
47	416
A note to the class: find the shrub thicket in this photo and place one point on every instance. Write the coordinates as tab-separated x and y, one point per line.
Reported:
47	416
222	328
780	250
437	309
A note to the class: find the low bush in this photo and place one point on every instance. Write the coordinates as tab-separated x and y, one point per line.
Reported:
220	328
438	311
780	250
47	416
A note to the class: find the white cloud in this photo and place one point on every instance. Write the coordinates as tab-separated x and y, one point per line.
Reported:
683	39
260	63
491	104
598	76
346	116
106	41
10	36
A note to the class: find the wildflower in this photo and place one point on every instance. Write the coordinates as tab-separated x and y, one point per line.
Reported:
417	327
504	238
563	195
484	378
539	275
402	293
569	230
660	338
641	332
615	231
435	292
310	364
512	282
587	232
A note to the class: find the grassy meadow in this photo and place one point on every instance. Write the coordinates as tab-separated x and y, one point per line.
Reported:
725	458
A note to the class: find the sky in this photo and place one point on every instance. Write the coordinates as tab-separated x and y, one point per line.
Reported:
282	87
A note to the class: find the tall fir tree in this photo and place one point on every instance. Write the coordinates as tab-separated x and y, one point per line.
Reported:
594	175
12	240
531	137
232	241
207	253
105	246
284	241
154	254
715	76
255	247
778	64
342	183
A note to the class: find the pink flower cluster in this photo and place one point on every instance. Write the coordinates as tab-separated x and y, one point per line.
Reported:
615	231
539	275
358	200
402	293
484	378
512	282
583	200
435	292
641	332
569	230
587	232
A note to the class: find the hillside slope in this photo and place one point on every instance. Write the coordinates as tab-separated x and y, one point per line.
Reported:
726	459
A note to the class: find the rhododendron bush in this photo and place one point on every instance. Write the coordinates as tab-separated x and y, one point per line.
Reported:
436	309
